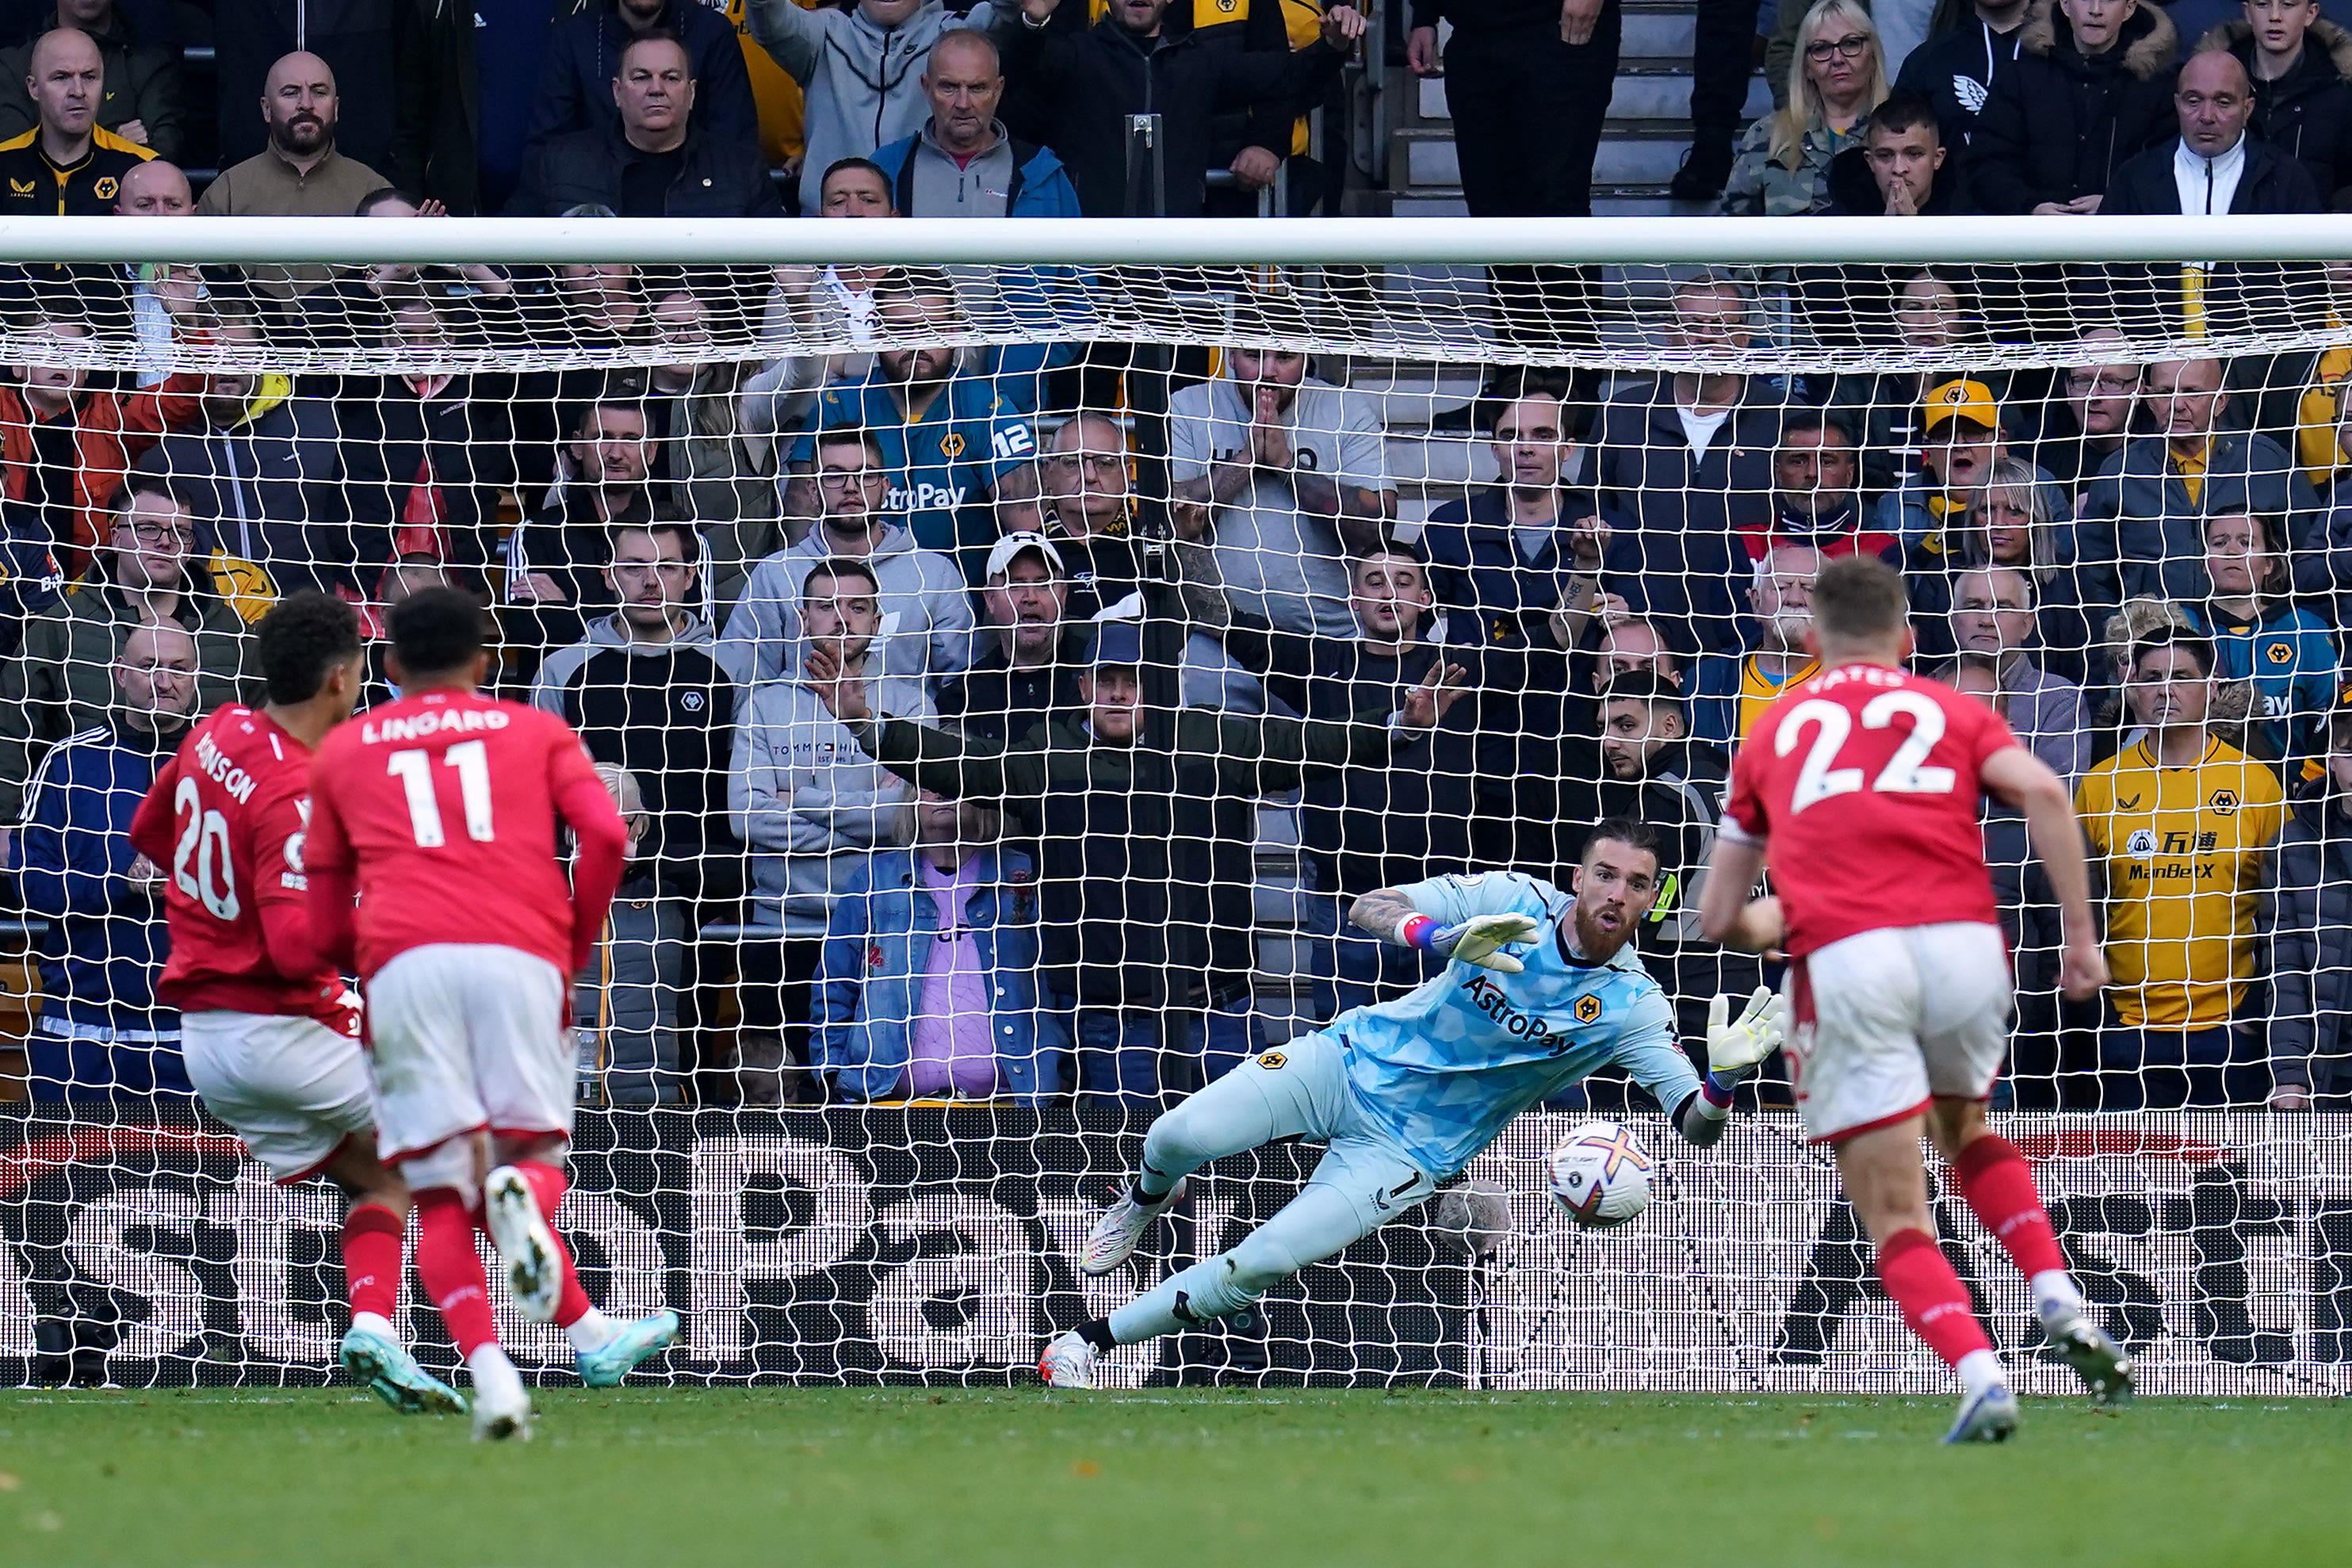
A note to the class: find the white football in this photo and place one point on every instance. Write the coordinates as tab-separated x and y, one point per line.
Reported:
1601	1175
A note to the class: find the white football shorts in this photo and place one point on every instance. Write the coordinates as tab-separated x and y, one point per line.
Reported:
293	1088
1884	1021
467	1037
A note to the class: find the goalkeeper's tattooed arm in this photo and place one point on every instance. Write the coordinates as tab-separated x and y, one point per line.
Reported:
1480	939
1380	912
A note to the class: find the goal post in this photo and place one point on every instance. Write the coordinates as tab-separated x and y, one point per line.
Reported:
858	1065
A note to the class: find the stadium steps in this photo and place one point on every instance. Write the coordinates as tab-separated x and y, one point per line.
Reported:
1643	139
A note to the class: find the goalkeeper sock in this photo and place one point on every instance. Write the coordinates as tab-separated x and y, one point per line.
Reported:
548	1185
451	1269
1146	1179
1096	1332
1998	1185
371	1238
1935	1304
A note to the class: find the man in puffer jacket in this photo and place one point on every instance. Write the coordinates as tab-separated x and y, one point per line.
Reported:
928	987
2081	98
862	70
2301	66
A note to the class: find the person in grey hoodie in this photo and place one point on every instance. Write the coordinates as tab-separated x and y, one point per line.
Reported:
861	70
810	805
926	628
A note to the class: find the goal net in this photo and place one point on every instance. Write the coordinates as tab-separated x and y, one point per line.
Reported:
1134	519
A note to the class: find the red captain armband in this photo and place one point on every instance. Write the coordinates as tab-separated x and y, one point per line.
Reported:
1417	931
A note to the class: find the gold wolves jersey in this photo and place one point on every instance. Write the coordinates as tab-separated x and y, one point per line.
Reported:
2182	849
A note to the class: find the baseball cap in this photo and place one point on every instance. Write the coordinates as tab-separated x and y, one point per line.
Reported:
1009	549
1118	642
1969	400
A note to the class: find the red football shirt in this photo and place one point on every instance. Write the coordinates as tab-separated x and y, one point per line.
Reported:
1864	783
228	814
442	807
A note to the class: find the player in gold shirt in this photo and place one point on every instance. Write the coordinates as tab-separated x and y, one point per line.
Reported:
2180	823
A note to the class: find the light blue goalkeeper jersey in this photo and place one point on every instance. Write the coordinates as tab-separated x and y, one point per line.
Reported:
1445	1069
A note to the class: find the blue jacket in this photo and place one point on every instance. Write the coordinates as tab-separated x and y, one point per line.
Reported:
72	855
1041	186
2290	661
869	981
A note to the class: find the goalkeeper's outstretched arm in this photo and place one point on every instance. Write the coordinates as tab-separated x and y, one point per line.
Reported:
1389	913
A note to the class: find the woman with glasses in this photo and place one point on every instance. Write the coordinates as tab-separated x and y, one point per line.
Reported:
1838	75
2014	523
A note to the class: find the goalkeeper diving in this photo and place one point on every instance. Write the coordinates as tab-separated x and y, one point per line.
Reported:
1543	989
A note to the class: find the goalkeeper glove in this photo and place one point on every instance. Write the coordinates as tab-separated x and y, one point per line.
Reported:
1480	939
1734	1050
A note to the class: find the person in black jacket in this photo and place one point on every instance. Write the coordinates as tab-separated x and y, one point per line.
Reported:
1902	168
2306	916
583	56
2212	167
1655	772
2090	89
2301	66
658	162
1088	83
1970	43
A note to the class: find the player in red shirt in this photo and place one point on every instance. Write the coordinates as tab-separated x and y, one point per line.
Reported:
1863	788
443	812
267	1026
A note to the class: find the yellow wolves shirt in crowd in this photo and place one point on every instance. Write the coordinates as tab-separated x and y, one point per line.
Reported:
2182	851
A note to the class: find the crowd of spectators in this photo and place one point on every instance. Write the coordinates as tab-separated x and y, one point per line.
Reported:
944	690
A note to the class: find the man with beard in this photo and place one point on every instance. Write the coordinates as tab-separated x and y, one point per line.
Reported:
1542	989
1729	691
947	434
299	174
1655	772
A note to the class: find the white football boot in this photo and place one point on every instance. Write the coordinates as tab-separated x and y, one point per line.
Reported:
1120	1228
534	1269
1989	1415
1068	1362
501	1405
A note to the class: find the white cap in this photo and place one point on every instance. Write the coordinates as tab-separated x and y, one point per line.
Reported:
1001	555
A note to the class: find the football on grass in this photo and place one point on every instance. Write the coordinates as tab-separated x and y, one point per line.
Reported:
1601	1175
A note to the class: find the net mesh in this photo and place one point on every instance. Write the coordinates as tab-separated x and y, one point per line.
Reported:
1301	487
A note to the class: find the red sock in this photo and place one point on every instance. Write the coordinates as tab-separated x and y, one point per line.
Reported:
452	1270
548	1185
1935	1303
1998	1185
371	1238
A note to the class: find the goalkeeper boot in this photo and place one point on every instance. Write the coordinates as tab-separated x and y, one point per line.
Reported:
1119	1229
392	1374
1988	1415
533	1264
1068	1362
632	1343
2076	1339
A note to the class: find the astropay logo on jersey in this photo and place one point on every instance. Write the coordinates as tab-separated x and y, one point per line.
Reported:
1490	998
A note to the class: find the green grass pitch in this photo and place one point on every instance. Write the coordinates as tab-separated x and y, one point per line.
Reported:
1203	1479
